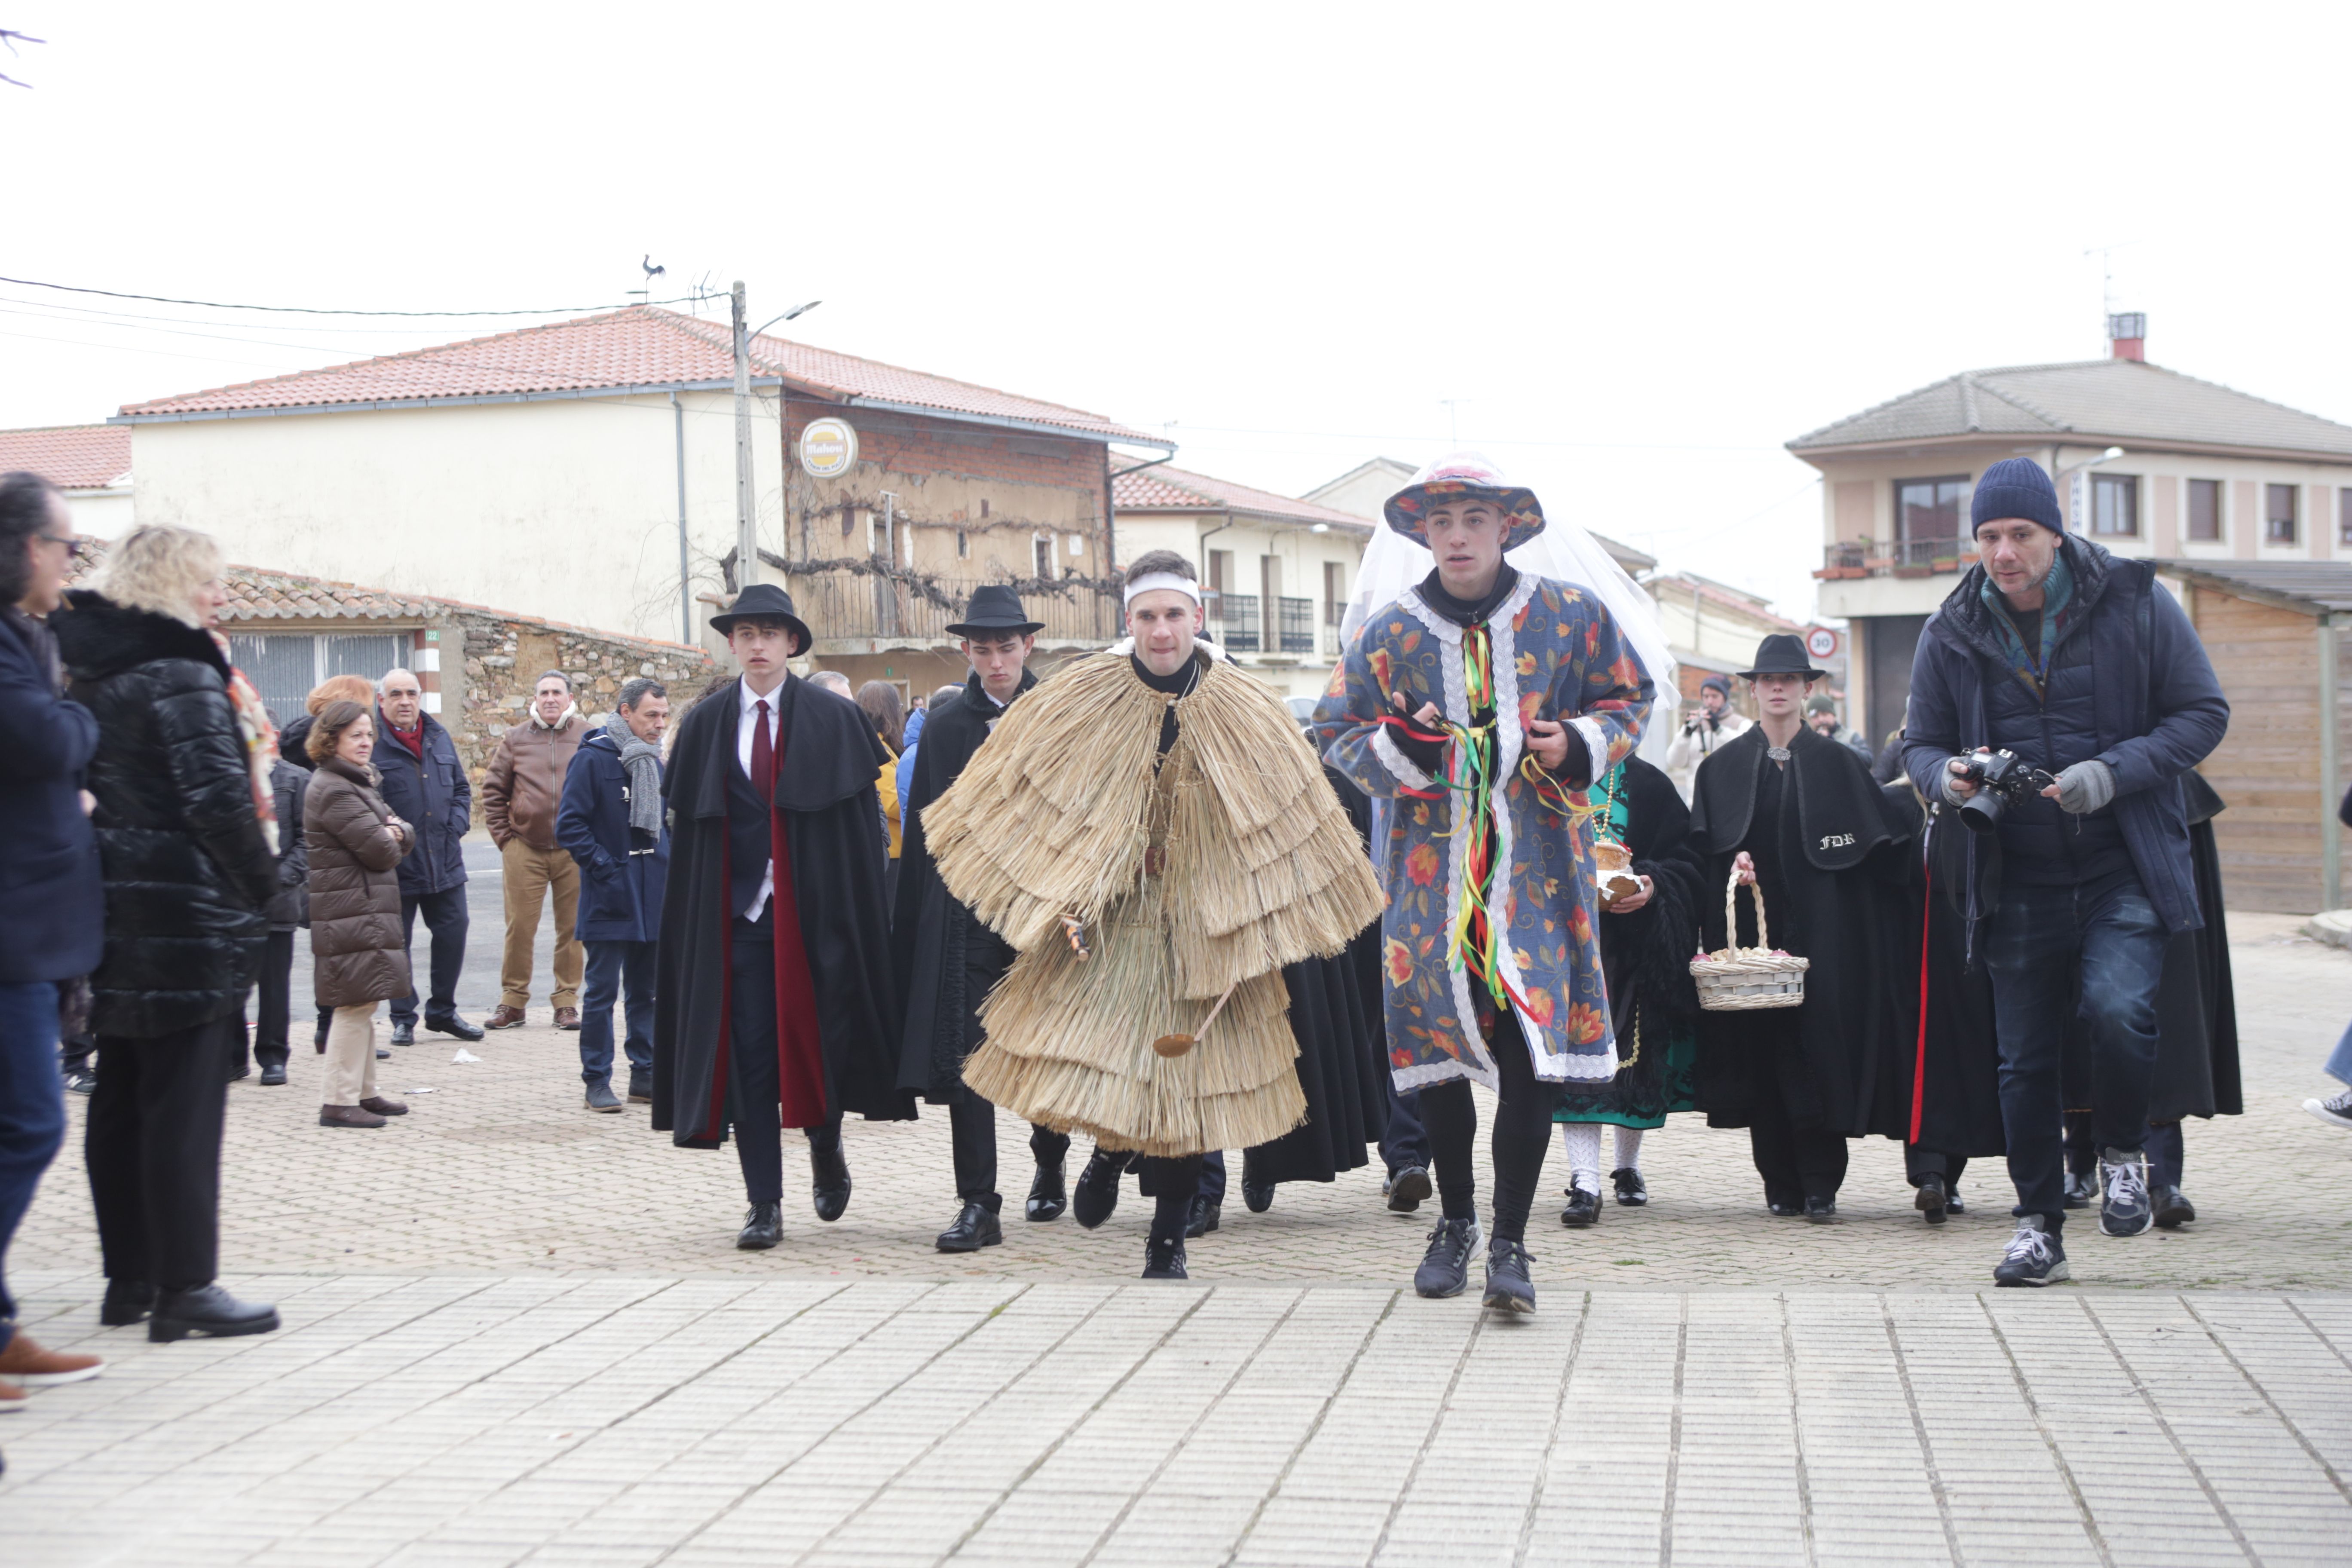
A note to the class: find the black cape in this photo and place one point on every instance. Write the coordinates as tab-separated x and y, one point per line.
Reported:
1956	1061
833	824
1829	857
944	956
1646	957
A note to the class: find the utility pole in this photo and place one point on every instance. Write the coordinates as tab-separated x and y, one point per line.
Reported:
747	535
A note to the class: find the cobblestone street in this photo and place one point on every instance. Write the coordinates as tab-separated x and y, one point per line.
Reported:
519	1331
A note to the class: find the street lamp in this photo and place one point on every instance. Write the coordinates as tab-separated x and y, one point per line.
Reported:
747	545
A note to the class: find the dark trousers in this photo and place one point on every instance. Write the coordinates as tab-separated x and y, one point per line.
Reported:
754	1088
1796	1163
274	1004
153	1147
1173	1184
2108	934
1918	1163
32	1112
971	1130
444	917
1522	1135
614	967
1404	1142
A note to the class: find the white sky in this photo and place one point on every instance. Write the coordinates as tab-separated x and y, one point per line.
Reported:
1644	245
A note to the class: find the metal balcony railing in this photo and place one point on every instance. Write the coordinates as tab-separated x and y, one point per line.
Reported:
1238	628
851	604
1296	629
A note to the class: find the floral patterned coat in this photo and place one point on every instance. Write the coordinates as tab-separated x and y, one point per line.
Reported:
1551	641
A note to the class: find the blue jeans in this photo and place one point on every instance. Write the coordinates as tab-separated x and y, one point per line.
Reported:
2339	1064
610	966
32	1112
2102	940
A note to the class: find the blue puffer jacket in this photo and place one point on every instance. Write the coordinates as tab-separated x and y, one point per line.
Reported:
435	797
2129	686
620	879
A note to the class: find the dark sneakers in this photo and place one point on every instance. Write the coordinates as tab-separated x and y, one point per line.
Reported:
1164	1258
2337	1112
975	1228
2124	1206
2034	1256
1097	1193
763	1227
1509	1289
1445	1267
1408	1189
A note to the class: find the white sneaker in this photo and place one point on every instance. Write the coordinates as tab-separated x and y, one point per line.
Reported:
2335	1112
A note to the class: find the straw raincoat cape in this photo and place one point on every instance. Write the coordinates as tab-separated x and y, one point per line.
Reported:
1207	868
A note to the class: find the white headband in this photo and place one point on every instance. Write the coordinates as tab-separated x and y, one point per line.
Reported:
1152	580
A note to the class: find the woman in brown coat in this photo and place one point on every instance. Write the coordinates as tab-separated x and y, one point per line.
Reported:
356	845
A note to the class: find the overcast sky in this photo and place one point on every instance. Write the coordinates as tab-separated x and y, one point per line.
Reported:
1639	246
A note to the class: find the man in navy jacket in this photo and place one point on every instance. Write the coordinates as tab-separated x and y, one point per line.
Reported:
425	782
2083	665
610	821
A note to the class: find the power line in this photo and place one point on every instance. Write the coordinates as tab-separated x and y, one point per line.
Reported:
315	310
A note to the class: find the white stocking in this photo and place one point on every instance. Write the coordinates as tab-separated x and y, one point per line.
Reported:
1629	1147
1582	1140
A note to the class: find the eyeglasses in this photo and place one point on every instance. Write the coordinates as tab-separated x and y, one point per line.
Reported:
76	549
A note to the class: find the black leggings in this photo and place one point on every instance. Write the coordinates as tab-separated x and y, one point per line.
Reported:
1522	1135
1174	1183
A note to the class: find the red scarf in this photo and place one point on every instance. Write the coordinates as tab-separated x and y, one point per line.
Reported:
412	738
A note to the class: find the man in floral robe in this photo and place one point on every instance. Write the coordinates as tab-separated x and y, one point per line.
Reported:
1483	702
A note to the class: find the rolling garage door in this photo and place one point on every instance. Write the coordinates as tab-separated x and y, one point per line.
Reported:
285	666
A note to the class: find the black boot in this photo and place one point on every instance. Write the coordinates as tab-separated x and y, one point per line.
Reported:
1933	1202
208	1311
127	1302
1097	1193
1202	1218
1047	1197
763	1226
829	1183
974	1229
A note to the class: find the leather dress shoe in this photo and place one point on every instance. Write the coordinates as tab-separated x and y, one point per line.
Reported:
1257	1196
1631	1191
454	1026
1048	1199
1201	1218
829	1183
503	1018
2173	1209
567	1018
381	1055
273	1075
1097	1193
1785	1208
1583	1209
127	1302
1932	1202
1821	1211
208	1311
348	1116
1408	1189
26	1364
244	1069
1164	1258
404	1034
763	1226
974	1229
383	1107
1952	1204
602	1098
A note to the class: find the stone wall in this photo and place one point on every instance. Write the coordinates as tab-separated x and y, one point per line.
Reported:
505	656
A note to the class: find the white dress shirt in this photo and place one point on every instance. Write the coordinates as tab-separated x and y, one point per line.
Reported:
747	719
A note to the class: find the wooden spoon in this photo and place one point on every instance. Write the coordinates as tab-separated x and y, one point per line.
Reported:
1177	1045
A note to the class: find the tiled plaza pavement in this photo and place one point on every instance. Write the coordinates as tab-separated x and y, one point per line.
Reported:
518	1332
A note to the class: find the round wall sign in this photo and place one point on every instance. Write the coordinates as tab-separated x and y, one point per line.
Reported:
1821	642
828	449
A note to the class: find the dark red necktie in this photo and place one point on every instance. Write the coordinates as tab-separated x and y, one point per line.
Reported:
763	757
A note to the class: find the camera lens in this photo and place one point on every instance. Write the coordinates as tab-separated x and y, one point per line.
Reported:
1981	811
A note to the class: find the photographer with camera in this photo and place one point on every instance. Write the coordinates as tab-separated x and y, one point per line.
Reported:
2079	871
1704	733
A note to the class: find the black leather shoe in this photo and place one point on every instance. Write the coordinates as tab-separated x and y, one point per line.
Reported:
829	1183
1097	1193
1164	1258
1048	1199
244	1069
1784	1207
381	1055
1258	1196
126	1303
1407	1190
1821	1211
1509	1289
2173	1209
454	1026
273	1075
1631	1191
1203	1216
210	1311
1582	1208
1952	1204
974	1229
404	1034
763	1226
1932	1202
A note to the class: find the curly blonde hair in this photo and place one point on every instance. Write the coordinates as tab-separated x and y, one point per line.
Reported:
158	567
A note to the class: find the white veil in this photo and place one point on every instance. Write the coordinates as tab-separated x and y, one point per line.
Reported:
1564	552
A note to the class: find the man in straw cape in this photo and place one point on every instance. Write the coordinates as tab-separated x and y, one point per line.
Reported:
1151	835
1482	704
775	1004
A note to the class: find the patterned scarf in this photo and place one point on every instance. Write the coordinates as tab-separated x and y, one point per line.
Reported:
2057	605
260	744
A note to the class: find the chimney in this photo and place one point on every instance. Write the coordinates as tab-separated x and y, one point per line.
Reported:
2127	335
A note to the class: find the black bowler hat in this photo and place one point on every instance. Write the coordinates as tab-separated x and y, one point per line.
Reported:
994	609
1782	653
763	601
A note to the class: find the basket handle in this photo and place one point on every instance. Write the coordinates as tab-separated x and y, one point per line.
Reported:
1731	916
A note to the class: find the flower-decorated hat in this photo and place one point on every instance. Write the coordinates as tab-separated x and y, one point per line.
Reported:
1464	474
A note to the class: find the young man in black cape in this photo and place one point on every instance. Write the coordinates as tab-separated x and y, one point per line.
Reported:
775	1001
948	960
1798	816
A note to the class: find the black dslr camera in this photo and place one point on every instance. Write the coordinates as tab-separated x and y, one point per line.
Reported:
2003	781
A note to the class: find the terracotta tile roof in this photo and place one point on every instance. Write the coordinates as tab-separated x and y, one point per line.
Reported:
71	456
1162	488
641	346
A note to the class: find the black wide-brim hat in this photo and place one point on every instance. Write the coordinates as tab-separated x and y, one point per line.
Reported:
994	609
1782	653
763	601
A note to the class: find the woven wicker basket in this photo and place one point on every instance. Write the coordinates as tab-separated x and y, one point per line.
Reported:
1740	979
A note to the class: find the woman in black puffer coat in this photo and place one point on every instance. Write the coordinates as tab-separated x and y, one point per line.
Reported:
189	874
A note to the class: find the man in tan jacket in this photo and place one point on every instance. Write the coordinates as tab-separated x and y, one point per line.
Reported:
521	791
